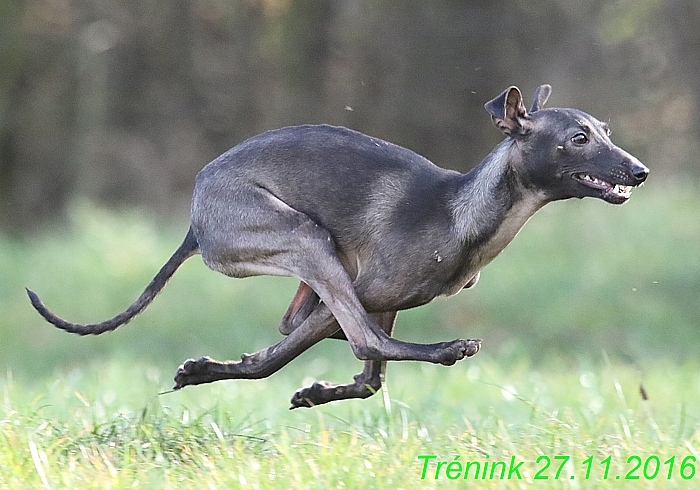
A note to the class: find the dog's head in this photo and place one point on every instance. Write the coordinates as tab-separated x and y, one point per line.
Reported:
565	152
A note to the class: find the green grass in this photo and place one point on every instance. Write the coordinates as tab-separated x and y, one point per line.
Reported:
589	302
105	426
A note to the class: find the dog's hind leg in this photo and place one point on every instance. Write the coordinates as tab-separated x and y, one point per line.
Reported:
317	326
366	384
303	303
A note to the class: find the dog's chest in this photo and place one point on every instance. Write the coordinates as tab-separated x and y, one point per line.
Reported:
514	220
481	255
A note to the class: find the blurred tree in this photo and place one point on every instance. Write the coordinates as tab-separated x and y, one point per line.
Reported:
123	101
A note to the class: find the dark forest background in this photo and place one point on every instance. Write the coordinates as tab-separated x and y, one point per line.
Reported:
121	102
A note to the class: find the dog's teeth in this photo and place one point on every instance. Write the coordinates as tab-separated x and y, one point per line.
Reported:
623	190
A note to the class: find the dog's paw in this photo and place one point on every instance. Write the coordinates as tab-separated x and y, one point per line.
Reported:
313	395
472	347
191	372
459	349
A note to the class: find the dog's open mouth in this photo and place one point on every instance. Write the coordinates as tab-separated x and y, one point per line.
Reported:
612	193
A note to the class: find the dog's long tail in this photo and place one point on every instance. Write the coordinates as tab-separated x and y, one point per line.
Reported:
188	248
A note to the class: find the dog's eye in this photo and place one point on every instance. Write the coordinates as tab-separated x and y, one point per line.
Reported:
580	139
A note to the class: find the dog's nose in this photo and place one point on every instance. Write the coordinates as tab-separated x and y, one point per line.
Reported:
639	172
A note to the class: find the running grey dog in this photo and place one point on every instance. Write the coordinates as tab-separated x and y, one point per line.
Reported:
371	228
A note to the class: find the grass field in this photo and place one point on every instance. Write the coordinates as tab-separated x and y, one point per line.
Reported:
590	306
104	426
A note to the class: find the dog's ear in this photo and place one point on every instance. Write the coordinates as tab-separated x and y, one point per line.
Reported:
541	95
508	112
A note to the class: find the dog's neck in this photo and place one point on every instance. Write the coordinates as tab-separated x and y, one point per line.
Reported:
493	203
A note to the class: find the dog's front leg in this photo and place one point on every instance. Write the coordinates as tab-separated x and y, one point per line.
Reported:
370	343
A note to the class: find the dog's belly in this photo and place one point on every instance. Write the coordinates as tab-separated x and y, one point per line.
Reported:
393	284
